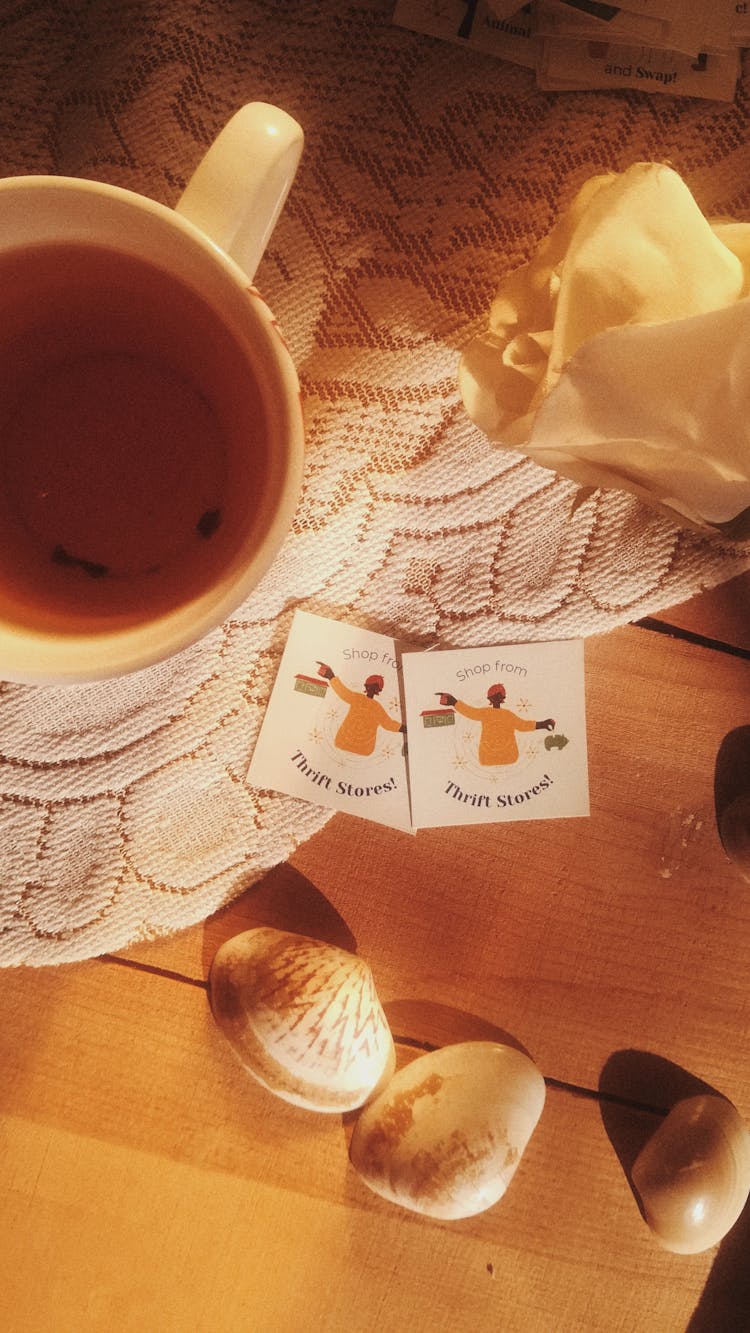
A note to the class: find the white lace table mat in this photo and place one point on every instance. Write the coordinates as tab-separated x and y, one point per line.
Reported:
429	172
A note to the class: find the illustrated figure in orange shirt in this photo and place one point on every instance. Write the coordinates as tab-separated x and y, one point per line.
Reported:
359	730
497	739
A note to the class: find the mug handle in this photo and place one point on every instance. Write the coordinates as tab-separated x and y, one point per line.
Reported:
240	186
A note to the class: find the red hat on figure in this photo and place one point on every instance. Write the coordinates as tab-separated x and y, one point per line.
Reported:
496	692
375	680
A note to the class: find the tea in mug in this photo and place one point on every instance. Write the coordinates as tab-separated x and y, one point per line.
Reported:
133	444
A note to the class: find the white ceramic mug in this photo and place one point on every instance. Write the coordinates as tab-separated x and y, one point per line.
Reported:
151	440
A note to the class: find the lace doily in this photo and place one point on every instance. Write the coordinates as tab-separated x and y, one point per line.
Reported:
429	173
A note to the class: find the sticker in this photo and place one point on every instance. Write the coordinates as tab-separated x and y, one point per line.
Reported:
496	734
333	732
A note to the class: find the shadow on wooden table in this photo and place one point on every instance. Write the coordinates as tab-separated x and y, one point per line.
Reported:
643	1082
725	1301
285	899
637	1089
732	769
427	1024
732	798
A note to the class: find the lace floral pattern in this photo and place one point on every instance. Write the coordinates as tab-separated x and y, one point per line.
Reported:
429	173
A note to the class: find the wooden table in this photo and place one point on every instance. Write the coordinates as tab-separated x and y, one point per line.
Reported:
148	1184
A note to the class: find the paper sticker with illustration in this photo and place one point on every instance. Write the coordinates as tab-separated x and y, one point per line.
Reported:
496	734
333	730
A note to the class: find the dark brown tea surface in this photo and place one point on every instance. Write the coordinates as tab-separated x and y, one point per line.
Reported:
132	438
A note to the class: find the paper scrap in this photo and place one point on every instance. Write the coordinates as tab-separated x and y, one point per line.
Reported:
567	65
678	47
555	18
485	27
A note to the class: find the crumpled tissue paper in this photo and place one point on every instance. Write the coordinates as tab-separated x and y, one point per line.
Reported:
620	355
